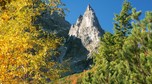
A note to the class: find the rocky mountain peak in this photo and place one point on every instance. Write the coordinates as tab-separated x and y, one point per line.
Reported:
88	29
89	8
84	38
79	20
89	17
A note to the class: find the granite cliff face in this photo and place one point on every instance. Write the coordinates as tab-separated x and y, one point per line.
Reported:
84	37
88	29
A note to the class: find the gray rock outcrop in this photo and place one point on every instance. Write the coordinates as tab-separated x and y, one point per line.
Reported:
88	29
54	23
84	38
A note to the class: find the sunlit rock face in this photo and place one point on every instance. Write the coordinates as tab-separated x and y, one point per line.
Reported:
84	38
88	29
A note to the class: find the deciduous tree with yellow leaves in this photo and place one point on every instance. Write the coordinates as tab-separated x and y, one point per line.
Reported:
25	49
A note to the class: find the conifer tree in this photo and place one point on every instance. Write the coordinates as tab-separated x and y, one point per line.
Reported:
122	24
111	64
137	50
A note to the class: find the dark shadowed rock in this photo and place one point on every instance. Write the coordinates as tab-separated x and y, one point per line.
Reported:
54	23
84	38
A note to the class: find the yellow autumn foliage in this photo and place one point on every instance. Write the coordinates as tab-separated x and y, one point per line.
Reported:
25	49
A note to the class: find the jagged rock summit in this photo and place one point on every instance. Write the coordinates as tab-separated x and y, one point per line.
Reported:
84	38
88	29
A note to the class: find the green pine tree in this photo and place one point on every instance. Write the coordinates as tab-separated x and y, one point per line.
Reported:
111	64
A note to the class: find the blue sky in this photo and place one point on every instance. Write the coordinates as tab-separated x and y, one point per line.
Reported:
104	9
